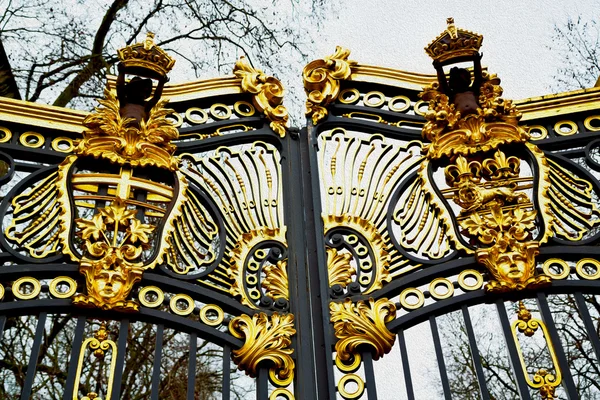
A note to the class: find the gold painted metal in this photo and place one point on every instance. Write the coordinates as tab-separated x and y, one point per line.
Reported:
6	134
1	292
322	81
211	308
542	135
175	119
339	267
558	104
281	392
588	123
467	273
267	94
362	323
70	282
267	338
354	96
564	272
160	296
351	365
572	128
40	115
33	140
115	265
116	139
393	107
275	281
216	114
189	308
412	292
437	282
351	378
588	262
545	382
146	55
237	108
17	288
189	115
56	144
454	43
100	344
374	99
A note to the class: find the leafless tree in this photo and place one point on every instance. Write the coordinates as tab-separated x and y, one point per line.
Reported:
62	50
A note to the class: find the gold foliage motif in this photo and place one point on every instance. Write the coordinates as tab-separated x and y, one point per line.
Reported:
267	338
362	323
112	265
276	280
119	140
542	380
339	267
268	94
321	81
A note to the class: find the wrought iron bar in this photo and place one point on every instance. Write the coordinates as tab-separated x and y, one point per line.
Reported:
157	359
405	366
74	359
475	354
440	357
33	358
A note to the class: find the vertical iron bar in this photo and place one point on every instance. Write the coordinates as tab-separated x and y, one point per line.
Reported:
405	367
121	352
191	383
157	360
475	354
226	373
513	353
440	357
2	323
567	378
589	324
33	358
317	265
369	375
74	359
262	384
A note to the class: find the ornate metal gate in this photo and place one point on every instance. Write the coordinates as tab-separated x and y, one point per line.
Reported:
208	251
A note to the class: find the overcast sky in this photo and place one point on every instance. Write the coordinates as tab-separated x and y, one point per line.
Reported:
515	46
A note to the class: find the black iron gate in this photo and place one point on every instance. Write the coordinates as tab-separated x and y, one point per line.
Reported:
385	251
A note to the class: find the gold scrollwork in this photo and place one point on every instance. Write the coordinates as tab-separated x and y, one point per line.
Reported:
322	81
362	323
99	344
275	282
339	267
63	280
266	338
268	94
1	292
33	288
545	382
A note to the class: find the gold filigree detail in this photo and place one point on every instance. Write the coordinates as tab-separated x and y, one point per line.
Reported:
275	282
240	255
146	56
542	380
322	81
266	339
454	43
268	94
362	323
119	140
99	344
339	267
112	265
379	247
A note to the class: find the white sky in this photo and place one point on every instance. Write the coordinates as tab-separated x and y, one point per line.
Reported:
515	46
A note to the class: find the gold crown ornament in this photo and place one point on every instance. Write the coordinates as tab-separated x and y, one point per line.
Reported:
146	59
454	44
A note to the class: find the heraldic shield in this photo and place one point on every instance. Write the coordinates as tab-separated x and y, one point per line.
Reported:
482	187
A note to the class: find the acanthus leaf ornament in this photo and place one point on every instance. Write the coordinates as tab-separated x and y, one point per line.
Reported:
322	81
362	324
268	94
267	338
